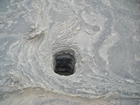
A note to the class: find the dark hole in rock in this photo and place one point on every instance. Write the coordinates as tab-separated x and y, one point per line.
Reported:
64	64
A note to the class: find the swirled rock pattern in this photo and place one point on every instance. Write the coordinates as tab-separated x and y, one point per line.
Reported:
104	34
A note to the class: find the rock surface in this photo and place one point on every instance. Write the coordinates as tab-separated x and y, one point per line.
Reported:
105	35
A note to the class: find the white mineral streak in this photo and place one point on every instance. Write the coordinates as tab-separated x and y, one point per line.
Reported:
105	35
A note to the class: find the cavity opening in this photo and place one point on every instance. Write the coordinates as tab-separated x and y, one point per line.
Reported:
64	63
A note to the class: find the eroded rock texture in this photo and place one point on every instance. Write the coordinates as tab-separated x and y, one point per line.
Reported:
104	34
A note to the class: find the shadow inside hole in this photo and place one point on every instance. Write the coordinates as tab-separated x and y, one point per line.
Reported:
64	64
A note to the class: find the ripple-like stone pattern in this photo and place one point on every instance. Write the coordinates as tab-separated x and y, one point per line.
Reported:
105	35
